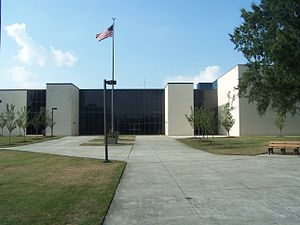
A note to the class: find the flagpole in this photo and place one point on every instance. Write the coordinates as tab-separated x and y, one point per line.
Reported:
0	22
113	76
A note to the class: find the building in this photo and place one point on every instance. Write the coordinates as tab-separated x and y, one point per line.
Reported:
247	121
143	111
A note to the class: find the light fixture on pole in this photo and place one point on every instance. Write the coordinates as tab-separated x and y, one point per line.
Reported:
105	82
52	122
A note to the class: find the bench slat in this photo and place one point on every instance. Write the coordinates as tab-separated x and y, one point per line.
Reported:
287	146
284	144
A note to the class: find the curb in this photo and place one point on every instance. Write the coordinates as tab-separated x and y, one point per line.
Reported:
113	196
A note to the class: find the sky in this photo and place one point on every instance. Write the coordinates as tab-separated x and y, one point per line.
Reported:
156	41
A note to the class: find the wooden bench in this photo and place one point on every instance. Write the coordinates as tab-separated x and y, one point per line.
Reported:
283	145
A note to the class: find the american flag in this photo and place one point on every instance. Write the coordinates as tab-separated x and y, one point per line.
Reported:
105	34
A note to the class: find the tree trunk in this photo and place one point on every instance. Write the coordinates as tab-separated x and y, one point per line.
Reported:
279	132
24	133
228	143
9	138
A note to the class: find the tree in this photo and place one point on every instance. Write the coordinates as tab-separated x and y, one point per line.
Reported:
202	120
51	125
280	122
10	117
197	119
35	122
269	38
41	120
22	120
211	123
227	119
19	123
192	119
2	122
44	119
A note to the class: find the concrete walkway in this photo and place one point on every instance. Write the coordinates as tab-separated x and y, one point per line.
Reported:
166	182
71	146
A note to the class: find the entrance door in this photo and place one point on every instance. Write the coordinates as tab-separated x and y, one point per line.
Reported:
134	128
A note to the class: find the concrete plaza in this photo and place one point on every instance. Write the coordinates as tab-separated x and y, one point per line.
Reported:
166	182
70	146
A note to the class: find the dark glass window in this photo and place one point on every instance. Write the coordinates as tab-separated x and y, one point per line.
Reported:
35	100
136	111
198	98
204	86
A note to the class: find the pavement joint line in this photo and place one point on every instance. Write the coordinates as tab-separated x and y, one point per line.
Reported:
132	146
255	188
189	199
149	162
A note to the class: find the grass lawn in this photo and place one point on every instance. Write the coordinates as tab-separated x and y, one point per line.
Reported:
46	189
19	140
123	140
249	145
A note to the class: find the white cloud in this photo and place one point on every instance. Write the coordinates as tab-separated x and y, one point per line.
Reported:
19	74
32	53
209	74
63	58
22	78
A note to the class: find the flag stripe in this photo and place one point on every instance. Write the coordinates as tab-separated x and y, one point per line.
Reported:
105	34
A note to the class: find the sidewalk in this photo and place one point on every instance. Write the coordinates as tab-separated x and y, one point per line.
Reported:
166	182
71	146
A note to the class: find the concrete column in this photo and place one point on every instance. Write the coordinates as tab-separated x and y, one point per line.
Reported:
64	97
179	98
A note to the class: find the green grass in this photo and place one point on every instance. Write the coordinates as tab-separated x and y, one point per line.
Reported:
248	145
123	140
19	140
46	189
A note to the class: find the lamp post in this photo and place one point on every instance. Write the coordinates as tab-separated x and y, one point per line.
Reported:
52	124
105	82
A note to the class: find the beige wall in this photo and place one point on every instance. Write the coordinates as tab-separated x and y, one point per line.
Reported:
64	97
227	83
253	124
179	98
16	97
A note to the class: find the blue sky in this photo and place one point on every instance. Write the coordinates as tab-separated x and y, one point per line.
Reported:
156	41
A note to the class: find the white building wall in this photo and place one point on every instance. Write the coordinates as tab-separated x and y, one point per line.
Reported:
227	83
64	97
16	97
179	98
